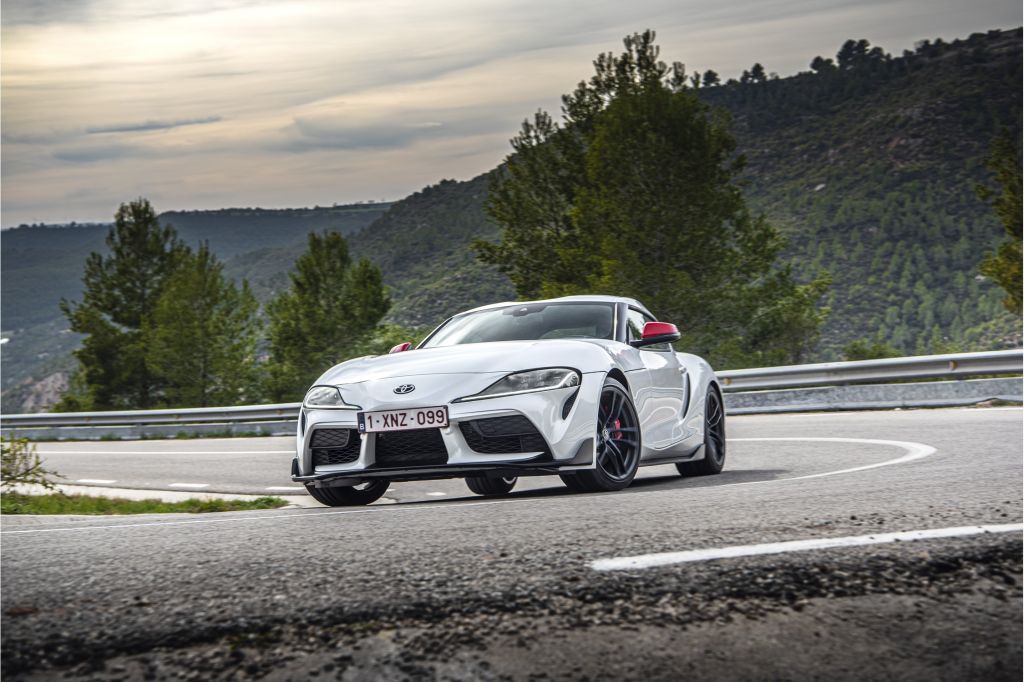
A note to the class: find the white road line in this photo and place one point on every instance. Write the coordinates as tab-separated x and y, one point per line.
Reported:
437	494
666	558
100	481
114	451
914	451
293	515
285	487
188	485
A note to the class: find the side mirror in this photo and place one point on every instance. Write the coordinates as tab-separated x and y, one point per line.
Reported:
656	332
400	348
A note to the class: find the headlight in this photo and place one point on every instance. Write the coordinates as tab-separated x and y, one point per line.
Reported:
326	397
527	382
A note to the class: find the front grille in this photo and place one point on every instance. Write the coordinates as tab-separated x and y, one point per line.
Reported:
334	446
416	447
503	435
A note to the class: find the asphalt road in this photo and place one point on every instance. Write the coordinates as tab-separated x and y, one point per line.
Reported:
452	586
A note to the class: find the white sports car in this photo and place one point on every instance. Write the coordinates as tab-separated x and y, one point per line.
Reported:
585	387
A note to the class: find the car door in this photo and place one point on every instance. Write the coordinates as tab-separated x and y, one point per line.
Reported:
661	407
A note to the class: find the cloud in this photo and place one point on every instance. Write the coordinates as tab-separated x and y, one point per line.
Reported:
93	153
52	136
47	137
308	134
342	130
42	12
151	125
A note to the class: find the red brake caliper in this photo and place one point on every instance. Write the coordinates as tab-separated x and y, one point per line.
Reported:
617	425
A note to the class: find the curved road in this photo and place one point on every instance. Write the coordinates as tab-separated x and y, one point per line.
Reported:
671	578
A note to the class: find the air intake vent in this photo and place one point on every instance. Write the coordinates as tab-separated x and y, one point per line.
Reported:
503	435
334	446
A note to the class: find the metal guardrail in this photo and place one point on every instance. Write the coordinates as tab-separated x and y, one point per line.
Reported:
951	366
194	415
957	365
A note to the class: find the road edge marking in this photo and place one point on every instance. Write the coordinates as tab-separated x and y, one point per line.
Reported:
914	451
642	561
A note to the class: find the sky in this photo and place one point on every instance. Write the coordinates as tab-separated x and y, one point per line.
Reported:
223	103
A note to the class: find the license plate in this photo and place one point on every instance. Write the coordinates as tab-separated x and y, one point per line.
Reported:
403	420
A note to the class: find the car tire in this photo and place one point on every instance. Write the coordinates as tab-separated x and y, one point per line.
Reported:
618	444
349	496
491	486
714	439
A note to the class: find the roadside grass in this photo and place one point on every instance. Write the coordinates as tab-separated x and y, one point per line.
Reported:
58	503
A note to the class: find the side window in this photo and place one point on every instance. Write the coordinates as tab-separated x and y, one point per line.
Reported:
635	321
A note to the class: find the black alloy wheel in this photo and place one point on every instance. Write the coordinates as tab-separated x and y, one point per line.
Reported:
714	439
349	496
618	444
491	486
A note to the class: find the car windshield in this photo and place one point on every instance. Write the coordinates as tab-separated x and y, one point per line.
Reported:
529	322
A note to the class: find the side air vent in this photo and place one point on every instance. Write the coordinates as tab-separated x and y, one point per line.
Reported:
334	446
503	435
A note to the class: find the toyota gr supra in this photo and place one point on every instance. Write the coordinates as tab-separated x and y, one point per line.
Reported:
587	388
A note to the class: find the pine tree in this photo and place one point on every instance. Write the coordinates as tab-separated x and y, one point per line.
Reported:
637	195
330	308
1004	266
120	294
202	342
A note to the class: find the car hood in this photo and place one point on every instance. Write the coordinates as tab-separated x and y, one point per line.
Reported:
586	355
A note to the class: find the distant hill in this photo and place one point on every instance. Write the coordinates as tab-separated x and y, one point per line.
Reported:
867	166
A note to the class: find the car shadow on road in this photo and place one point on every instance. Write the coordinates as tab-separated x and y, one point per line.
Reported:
639	485
724	478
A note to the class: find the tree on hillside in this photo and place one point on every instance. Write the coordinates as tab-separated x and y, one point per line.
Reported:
821	65
202	341
1004	266
330	308
857	53
711	79
636	195
120	294
862	349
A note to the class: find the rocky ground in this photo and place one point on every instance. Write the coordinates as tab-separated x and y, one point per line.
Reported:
926	611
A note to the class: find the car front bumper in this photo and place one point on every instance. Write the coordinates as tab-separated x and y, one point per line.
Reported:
565	418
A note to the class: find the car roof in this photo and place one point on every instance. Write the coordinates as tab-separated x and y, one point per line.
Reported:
590	298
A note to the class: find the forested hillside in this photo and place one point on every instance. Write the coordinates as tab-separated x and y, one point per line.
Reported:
41	264
867	163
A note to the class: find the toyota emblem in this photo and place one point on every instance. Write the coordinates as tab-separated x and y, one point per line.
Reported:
405	388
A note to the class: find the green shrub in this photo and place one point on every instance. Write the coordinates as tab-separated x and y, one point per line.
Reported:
20	465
